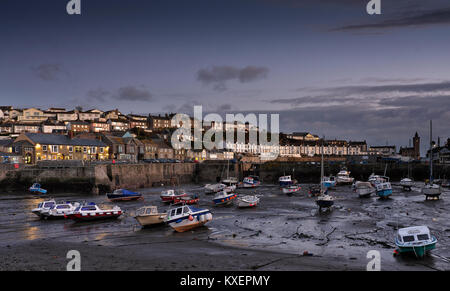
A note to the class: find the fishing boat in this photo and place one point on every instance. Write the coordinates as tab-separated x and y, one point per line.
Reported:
384	190
91	211
343	178
36	188
431	190
218	187
247	201
364	189
59	210
323	200
184	218
329	182
149	215
250	182
224	198
190	199
123	195
285	181
291	189
415	239
170	195
43	206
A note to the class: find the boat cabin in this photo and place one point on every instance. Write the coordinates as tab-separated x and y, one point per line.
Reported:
414	234
46	204
147	210
178	211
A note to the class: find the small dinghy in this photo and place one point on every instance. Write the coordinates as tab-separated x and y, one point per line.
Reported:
414	239
384	190
92	212
184	218
191	199
149	215
43	206
291	189
224	198
59	210
36	188
364	189
123	195
247	201
170	195
406	183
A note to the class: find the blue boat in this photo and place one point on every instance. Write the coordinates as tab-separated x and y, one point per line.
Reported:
384	190
36	188
285	181
415	239
329	182
224	198
123	195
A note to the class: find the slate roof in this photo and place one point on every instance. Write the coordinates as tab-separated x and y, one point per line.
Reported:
59	139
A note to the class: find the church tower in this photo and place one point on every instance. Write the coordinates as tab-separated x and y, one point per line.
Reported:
416	144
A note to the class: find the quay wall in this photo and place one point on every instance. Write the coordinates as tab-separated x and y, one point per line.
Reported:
101	178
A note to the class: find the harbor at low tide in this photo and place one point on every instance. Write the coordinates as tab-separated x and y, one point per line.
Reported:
281	233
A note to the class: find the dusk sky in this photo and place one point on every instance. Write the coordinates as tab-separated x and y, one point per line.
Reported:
325	66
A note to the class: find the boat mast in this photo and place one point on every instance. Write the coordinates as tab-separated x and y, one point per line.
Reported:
431	152
321	170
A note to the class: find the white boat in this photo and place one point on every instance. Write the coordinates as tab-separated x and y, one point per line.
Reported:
149	215
43	206
431	190
415	239
59	210
291	189
230	181
324	200
364	189
91	211
184	218
343	177
406	183
247	201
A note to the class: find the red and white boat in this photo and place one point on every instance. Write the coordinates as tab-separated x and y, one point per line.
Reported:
92	212
291	189
171	195
184	218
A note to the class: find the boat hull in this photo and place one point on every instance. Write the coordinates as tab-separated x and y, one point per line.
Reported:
190	222
116	197
224	200
290	190
419	250
148	220
97	216
384	193
324	203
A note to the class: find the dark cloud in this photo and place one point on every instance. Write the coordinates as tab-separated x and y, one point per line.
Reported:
422	18
98	94
131	93
217	76
48	72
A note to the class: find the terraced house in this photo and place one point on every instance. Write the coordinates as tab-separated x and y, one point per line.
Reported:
34	147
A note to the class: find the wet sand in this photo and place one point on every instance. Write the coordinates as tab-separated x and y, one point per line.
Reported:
273	236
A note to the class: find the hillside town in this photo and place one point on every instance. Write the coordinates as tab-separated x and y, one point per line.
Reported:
32	135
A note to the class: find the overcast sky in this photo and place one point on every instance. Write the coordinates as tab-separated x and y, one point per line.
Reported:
325	66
